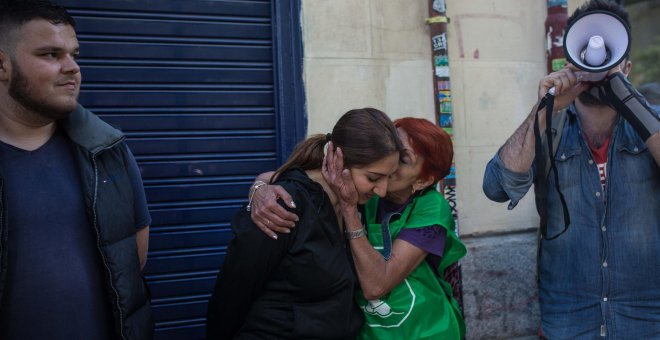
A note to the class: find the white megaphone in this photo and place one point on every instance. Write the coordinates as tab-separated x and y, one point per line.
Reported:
595	43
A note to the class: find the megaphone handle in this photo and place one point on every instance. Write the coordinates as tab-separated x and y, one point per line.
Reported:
632	106
590	76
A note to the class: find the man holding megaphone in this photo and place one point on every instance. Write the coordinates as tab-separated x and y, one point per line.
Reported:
591	147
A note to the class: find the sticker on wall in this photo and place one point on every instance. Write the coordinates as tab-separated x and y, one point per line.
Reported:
439	6
442	72
445	107
444	85
558	64
441	60
444	96
446	121
452	172
439	42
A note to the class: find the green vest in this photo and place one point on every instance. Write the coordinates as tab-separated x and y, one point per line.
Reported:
421	306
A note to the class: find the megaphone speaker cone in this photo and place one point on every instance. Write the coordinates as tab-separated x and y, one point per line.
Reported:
597	41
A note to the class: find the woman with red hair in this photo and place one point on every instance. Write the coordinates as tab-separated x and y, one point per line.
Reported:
410	240
401	244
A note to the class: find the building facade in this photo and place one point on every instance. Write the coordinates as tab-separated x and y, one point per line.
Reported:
211	93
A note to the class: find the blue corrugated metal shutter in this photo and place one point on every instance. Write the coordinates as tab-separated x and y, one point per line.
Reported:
209	94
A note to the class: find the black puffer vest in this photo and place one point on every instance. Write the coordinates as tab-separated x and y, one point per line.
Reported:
102	156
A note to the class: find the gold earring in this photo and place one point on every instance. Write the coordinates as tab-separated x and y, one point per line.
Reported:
413	190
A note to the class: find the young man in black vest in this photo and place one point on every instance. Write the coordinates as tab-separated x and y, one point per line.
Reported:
73	214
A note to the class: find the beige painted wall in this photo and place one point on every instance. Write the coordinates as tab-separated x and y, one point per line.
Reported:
496	57
366	53
377	53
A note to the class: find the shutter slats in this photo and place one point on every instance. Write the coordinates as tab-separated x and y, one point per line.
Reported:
191	83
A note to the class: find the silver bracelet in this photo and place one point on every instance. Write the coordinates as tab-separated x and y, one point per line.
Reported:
353	234
253	190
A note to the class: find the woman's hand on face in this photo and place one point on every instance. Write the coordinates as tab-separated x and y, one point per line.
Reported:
338	178
268	214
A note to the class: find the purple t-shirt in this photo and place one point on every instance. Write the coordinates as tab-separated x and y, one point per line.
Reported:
55	286
431	239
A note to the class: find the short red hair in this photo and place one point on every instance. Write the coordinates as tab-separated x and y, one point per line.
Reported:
430	142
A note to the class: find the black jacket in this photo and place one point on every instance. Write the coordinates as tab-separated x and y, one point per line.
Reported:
101	154
300	286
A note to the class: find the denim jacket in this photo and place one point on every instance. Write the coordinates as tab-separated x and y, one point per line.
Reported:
601	278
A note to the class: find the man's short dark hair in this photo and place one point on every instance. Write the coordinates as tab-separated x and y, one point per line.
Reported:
15	13
601	5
